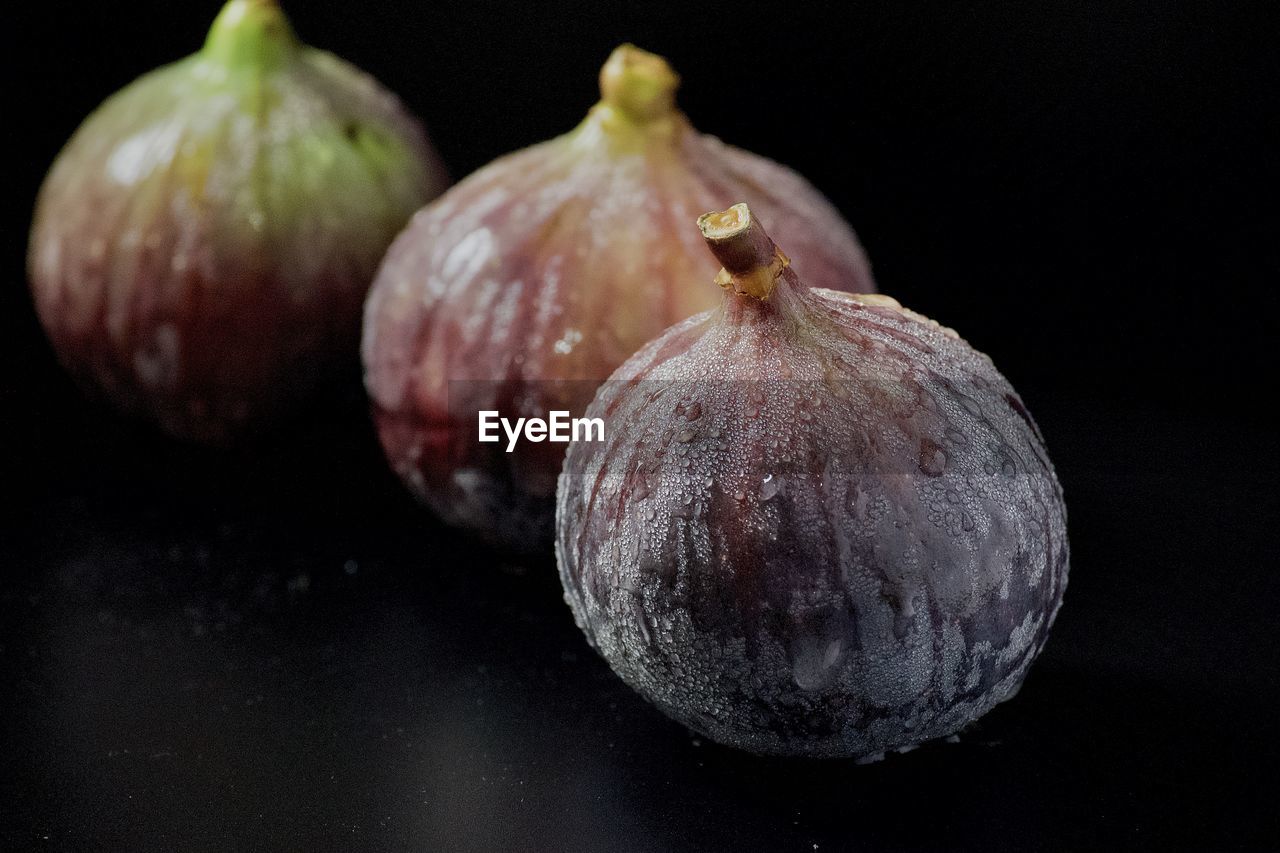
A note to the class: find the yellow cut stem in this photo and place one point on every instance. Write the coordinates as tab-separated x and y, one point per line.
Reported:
751	262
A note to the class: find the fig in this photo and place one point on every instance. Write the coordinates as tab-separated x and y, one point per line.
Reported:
202	246
522	288
819	524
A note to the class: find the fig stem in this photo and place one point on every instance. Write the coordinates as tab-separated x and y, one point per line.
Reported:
751	262
639	84
250	34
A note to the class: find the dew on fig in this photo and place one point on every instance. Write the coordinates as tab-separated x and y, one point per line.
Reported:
770	487
814	661
933	458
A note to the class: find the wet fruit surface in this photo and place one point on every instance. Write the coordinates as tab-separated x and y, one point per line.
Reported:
525	286
203	244
820	524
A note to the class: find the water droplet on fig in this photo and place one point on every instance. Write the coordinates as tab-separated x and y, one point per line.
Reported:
639	485
933	459
570	339
815	661
770	486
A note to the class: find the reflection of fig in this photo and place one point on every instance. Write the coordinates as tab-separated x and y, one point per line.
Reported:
202	246
820	524
557	263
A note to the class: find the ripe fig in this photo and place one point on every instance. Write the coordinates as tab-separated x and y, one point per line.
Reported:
526	285
819	524
203	244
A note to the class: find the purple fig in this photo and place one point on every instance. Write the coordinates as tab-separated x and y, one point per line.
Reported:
819	524
522	288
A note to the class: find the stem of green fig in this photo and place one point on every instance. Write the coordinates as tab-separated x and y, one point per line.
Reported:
752	262
639	84
250	34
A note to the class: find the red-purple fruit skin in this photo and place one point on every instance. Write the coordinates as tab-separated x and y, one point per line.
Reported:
818	526
527	284
201	251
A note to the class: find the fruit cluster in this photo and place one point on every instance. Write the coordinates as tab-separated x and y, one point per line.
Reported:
816	523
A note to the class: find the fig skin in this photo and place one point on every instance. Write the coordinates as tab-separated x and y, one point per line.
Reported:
202	246
819	524
522	288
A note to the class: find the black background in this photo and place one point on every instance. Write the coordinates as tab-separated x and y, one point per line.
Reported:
273	648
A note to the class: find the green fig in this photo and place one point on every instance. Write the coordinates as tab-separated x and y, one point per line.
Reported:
202	246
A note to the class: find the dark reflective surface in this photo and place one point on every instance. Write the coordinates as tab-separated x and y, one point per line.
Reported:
277	650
